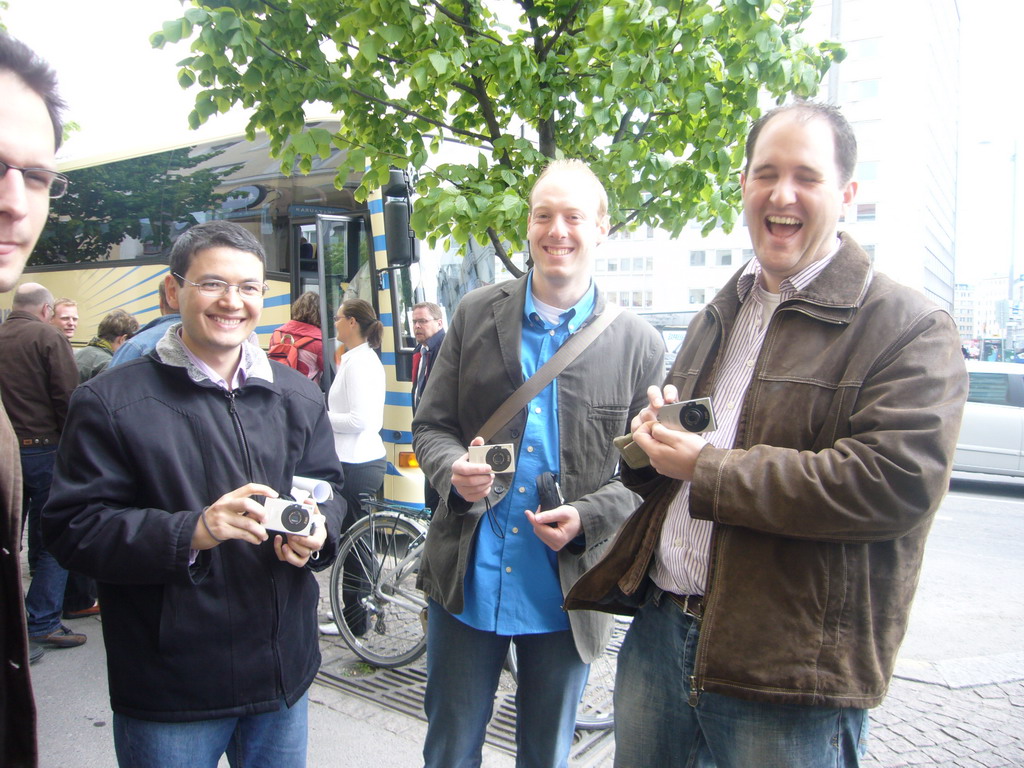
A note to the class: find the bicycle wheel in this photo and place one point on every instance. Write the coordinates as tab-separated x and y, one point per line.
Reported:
595	711
377	607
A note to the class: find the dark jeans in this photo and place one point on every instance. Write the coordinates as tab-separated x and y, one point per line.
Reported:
45	596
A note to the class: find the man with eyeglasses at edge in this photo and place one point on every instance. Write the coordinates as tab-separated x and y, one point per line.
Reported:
30	134
209	618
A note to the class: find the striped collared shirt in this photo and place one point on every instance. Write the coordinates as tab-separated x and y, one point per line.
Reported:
681	560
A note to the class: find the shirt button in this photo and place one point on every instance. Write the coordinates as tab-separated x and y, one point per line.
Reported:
508	569
529	449
538	409
551	333
730	406
750	363
677	543
522	489
515	529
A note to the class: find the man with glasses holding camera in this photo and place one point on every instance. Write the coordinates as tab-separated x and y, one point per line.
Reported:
209	616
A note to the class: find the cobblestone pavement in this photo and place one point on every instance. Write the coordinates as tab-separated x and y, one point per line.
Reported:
919	724
924	724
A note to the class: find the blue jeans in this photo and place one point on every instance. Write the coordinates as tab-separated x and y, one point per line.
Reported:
271	740
45	598
463	666
656	726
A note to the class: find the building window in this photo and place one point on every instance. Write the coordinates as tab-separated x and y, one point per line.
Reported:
638	263
613	266
748	254
624	265
723	257
696	258
599	265
650	263
870	251
866	212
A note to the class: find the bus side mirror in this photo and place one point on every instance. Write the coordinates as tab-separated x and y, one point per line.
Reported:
402	245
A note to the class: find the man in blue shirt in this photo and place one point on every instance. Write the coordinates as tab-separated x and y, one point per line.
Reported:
143	342
495	566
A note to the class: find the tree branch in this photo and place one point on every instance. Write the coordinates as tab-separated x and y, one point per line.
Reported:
563	26
502	254
383	102
462	22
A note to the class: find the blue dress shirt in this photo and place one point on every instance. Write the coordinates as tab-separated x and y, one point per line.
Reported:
512	585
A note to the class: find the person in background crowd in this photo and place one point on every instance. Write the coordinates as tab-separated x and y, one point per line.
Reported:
495	566
36	381
65	316
428	329
115	329
208	611
774	559
144	340
356	407
31	130
303	333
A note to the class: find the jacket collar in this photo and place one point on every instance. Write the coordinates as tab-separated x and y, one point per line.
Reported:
508	322
834	295
171	351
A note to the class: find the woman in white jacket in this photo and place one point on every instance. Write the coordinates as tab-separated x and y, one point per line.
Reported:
355	405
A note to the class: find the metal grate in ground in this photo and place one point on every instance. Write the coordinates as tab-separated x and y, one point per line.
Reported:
402	690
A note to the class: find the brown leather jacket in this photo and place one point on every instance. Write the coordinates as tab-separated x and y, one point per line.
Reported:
822	508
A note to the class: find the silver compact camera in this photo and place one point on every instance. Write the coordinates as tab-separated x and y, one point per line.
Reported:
689	415
288	516
500	457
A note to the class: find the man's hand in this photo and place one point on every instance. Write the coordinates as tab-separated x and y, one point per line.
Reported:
472	481
233	516
556	527
297	550
673	453
655	398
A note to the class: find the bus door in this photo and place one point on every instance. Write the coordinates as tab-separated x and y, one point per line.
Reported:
342	256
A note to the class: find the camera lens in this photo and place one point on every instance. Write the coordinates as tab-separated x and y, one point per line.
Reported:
499	458
695	418
294	518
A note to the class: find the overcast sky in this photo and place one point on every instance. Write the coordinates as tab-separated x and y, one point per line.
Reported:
124	94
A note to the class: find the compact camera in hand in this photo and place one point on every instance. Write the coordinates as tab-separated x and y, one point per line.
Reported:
501	457
689	415
288	516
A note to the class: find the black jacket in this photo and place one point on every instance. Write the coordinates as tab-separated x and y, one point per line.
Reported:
147	446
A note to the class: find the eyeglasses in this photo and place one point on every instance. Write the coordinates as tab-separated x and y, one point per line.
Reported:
424	322
39	179
214	289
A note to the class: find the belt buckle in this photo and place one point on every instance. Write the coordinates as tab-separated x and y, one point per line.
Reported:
689	604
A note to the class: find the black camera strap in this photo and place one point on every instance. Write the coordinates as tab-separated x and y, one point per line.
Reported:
568	352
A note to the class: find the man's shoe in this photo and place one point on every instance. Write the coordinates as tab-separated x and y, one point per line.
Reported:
62	637
92	610
35	652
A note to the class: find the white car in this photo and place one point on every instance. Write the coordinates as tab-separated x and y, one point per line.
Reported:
992	434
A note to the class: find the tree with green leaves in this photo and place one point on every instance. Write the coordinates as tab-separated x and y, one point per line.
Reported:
656	95
142	197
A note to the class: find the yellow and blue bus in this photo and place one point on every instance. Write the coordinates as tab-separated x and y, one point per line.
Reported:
123	216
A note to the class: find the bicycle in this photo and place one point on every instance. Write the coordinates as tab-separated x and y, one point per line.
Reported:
381	614
378	609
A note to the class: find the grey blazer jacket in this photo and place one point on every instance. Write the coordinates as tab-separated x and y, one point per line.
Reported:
598	394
